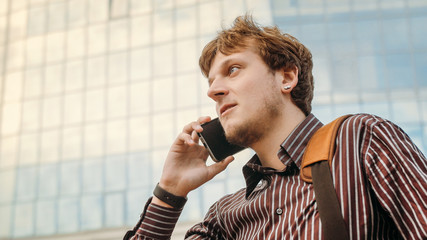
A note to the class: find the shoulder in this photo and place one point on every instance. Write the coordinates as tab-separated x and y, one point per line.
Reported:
363	119
369	124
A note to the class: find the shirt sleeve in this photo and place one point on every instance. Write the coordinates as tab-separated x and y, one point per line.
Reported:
397	172
156	222
209	228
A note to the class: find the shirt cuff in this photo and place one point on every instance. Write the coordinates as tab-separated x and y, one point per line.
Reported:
158	222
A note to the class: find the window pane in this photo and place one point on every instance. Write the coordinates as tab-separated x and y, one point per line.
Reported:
48	181
5	216
36	20
98	10
51	112
209	23
72	143
163	94
162	130
93	177
13	87
76	43
11	123
33	83
139	171
186	22
95	105
115	173
76	13
118	8
57	15
73	108
140	6
371	72
140	98
49	149
118	35
115	215
94	140
140	30
140	64
26	185
163	60
69	183
395	34
7	186
15	55
45	217
117	101
8	155
74	76
187	56
92	212
116	137
68	215
186	90
23	223
97	39
96	72
399	71
29	149
55	47
118	68
163	26
18	25
34	50
139	134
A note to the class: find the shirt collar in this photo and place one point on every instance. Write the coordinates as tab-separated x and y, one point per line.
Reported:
290	153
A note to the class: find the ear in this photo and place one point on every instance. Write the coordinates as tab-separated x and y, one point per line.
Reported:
289	78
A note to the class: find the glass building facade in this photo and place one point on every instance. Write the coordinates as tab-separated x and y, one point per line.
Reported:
93	92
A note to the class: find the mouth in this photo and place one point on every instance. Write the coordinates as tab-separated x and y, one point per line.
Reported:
227	107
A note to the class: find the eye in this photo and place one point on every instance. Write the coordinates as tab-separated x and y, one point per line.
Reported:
232	70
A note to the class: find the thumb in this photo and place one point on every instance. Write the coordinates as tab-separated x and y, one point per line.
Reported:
218	167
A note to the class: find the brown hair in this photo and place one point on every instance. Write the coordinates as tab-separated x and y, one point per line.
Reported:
277	49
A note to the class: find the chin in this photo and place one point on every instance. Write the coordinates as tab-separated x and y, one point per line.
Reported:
242	134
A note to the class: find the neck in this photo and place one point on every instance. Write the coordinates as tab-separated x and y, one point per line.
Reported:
267	147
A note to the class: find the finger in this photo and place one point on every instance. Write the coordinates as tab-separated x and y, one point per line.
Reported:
195	136
193	126
218	167
204	119
186	138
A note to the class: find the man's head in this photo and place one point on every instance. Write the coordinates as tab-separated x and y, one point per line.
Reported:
278	51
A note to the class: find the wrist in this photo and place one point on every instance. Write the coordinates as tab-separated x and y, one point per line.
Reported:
167	199
172	188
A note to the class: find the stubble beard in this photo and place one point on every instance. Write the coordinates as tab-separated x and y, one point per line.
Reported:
254	129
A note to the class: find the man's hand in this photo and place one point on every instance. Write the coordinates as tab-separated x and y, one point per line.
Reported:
185	168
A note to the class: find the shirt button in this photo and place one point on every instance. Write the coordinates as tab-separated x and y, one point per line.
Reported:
279	211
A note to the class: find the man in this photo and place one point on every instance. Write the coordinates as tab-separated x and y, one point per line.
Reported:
262	84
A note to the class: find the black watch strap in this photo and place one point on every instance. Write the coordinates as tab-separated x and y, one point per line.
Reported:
167	197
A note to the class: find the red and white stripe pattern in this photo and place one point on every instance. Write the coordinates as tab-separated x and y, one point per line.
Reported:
380	179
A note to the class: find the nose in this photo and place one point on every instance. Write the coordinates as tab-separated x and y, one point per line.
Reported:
217	90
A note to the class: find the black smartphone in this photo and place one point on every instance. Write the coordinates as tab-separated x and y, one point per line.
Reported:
213	138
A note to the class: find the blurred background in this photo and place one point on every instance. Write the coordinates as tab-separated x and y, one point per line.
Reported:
93	92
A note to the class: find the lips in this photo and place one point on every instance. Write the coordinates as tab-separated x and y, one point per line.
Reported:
226	107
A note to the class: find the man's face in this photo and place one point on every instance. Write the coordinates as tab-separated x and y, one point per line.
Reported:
247	95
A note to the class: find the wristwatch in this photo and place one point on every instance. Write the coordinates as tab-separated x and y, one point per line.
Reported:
167	197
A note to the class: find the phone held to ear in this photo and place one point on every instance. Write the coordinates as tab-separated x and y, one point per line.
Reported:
213	138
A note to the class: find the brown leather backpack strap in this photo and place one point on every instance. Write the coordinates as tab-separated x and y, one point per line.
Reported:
321	147
333	225
315	168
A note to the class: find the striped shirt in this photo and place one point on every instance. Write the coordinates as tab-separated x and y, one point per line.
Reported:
380	179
